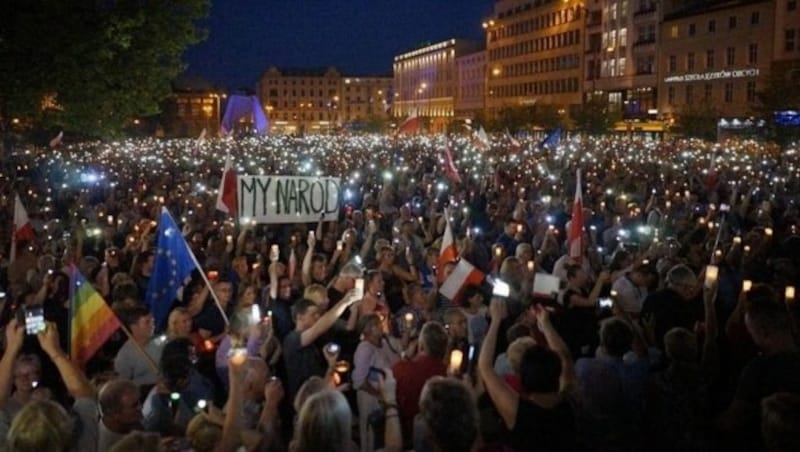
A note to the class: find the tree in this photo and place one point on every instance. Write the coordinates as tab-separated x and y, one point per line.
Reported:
781	93
91	66
594	116
698	121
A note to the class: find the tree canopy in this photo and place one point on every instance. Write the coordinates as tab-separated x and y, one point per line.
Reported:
90	66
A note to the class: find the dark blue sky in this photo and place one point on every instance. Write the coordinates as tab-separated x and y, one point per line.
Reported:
359	36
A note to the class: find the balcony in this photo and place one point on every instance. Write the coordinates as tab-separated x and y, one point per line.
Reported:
645	11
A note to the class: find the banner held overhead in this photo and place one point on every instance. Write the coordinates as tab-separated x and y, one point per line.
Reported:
288	199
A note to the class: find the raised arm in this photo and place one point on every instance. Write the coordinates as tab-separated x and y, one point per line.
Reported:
15	335
306	270
76	382
327	320
710	358
591	300
505	400
567	380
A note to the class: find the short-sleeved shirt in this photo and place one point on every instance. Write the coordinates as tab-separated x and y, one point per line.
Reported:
411	376
301	362
131	365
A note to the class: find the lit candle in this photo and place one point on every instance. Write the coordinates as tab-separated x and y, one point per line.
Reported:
747	285
531	265
737	240
789	294
768	232
339	245
456	358
712	272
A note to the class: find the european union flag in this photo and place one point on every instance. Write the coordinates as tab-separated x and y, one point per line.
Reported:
172	269
552	139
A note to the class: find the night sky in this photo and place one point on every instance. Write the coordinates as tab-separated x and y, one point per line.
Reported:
360	37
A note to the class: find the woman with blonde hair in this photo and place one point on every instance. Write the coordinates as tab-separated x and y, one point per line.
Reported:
179	325
40	425
324	423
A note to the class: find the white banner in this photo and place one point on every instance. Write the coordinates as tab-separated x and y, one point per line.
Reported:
288	199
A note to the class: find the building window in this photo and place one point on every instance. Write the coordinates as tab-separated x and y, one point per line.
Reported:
751	92
671	95
673	32
730	56
752	54
708	91
692	29
621	67
755	18
791	5
673	63
690	61
789	39
712	26
732	22
710	59
689	94
729	92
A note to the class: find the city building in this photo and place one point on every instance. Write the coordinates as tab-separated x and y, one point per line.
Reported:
716	55
786	46
535	55
320	100
620	52
470	94
426	81
195	105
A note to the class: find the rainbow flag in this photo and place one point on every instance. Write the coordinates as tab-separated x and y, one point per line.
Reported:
92	320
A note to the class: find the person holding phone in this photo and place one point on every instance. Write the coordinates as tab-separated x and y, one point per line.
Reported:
372	353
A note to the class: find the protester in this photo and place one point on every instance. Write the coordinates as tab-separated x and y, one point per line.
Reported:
647	365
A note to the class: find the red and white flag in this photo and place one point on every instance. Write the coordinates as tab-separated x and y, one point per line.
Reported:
226	195
23	229
515	145
411	125
575	233
450	170
448	252
56	142
481	140
463	275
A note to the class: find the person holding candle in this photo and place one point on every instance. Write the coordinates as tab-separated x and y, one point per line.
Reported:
674	305
373	352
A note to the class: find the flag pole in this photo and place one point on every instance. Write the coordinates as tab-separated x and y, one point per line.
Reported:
139	348
210	288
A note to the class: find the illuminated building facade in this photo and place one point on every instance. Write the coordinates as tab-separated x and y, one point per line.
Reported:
426	81
535	52
620	52
320	100
195	105
716	54
470	94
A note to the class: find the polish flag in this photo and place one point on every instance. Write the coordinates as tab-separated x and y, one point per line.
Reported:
481	140
23	229
411	125
515	145
449	167
575	234
463	275
226	195
448	252
56	142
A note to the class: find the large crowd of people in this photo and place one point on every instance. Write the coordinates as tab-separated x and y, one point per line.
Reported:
673	327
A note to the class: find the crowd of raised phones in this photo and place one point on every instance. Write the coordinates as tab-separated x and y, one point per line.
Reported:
353	347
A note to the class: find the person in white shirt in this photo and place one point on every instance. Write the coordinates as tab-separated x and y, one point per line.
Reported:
631	288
